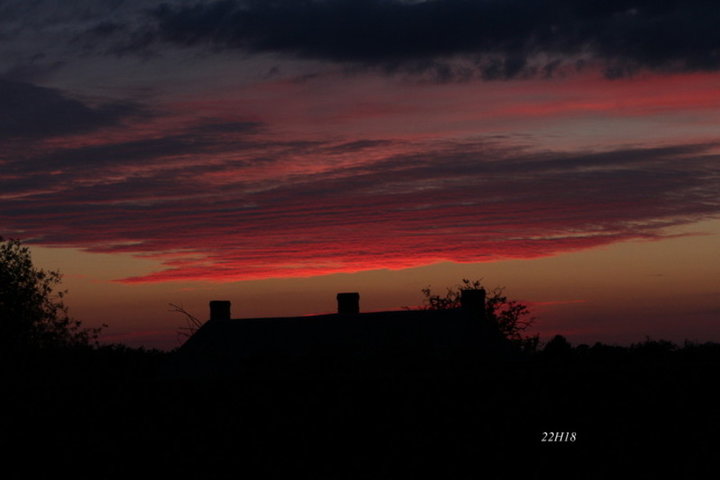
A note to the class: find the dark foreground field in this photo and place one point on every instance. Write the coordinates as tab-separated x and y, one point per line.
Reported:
641	412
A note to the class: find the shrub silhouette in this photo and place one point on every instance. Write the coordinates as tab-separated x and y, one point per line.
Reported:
32	312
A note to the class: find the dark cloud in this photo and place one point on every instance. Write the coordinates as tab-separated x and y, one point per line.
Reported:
497	38
442	39
28	169
240	127
357	146
153	168
29	111
105	29
37	67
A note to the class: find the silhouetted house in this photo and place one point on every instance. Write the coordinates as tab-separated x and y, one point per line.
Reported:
346	332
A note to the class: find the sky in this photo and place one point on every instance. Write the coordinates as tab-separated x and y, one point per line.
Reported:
273	153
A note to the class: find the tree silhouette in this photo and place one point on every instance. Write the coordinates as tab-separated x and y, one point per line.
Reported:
511	317
32	312
558	347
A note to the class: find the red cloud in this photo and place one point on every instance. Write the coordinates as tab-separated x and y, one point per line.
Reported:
293	209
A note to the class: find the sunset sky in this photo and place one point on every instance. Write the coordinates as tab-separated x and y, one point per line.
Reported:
276	152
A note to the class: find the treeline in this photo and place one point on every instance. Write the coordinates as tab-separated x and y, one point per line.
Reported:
559	348
116	367
644	411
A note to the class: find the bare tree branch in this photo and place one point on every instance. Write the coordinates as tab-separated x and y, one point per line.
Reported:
193	323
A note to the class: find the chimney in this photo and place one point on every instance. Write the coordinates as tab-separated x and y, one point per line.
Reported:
348	303
473	302
219	310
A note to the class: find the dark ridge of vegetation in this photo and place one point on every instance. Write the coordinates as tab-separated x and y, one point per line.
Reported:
646	410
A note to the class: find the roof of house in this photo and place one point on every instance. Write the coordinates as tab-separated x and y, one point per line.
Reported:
222	345
360	332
